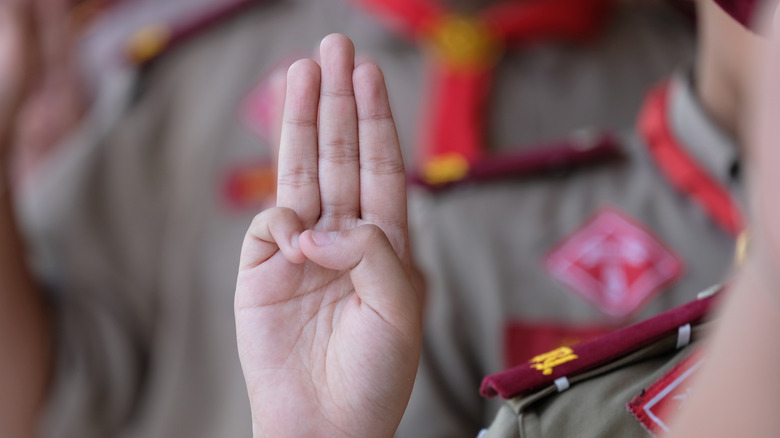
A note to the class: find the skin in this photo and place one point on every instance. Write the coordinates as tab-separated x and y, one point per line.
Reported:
24	320
726	50
328	322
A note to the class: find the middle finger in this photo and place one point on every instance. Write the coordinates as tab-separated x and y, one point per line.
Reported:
339	168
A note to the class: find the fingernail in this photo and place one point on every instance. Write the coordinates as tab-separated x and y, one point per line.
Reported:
323	238
294	241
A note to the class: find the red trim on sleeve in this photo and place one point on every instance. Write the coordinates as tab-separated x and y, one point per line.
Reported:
656	405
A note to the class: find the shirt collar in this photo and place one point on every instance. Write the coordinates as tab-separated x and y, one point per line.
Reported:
709	145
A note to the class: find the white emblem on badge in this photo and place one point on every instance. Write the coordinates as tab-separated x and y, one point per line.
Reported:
613	263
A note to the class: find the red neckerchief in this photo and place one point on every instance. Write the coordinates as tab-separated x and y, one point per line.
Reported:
680	168
466	50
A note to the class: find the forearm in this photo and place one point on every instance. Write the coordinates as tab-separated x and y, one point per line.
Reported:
24	332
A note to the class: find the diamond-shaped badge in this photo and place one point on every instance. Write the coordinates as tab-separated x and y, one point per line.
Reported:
614	263
257	108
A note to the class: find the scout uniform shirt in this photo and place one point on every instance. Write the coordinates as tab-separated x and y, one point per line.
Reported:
136	222
519	266
629	383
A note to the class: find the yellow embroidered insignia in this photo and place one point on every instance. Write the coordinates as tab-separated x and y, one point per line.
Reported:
148	42
445	168
547	361
465	43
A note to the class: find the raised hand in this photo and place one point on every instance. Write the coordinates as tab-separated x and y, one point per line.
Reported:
328	322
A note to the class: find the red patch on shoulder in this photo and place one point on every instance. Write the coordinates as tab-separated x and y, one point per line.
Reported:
251	185
614	263
657	404
522	340
259	109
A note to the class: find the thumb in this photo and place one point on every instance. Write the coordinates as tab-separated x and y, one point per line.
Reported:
377	273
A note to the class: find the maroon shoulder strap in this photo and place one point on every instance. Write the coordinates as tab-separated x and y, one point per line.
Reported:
545	369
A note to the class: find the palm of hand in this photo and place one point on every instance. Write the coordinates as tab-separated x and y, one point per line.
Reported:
328	322
314	353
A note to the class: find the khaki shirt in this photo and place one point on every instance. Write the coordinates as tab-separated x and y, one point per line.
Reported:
136	235
634	394
493	300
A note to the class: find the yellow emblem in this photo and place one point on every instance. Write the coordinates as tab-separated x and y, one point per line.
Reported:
464	42
742	246
547	361
148	42
445	168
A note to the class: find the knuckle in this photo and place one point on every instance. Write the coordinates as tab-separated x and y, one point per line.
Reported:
393	223
337	214
258	220
281	214
380	117
273	214
300	122
340	151
383	165
296	178
338	93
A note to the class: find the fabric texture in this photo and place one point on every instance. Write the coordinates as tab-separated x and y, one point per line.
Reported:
471	312
137	243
